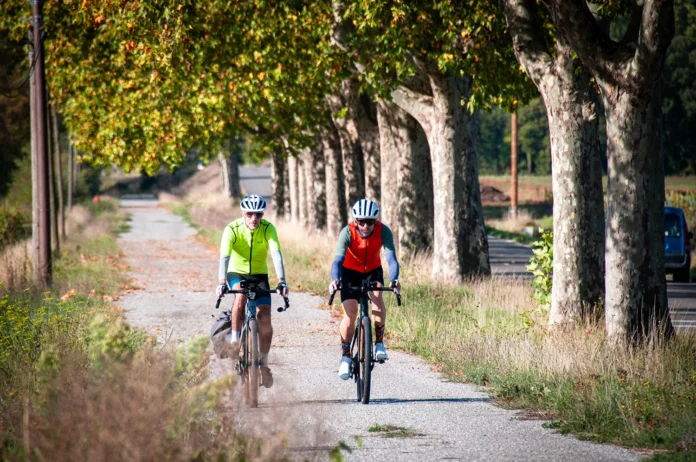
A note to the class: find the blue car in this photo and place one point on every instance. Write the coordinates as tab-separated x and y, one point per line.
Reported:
677	245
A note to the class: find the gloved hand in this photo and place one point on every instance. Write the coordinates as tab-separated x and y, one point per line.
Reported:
220	289
282	289
333	287
396	285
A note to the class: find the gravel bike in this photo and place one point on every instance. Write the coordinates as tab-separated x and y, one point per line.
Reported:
361	347
247	365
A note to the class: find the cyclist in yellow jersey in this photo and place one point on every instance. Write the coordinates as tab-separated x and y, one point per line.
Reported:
243	253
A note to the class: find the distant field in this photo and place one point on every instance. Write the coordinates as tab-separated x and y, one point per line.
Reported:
533	189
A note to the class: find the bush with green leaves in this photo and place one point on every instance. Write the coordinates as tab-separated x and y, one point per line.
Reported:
541	266
685	200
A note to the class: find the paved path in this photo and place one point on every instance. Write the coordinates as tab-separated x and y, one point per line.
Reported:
308	402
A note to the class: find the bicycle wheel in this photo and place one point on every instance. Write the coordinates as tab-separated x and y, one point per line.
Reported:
366	360
253	364
356	356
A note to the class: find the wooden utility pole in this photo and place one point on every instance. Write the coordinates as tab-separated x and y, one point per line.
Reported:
35	229
53	202
39	109
513	166
71	160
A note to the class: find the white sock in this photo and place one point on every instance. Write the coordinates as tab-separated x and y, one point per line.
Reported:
263	360
233	336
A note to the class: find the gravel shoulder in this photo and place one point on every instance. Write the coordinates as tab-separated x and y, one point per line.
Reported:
308	403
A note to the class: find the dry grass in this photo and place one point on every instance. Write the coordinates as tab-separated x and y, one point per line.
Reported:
16	266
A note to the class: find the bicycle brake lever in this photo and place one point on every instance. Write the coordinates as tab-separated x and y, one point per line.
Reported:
333	294
398	298
217	305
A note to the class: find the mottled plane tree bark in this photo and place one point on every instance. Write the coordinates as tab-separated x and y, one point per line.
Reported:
293	183
407	179
363	112
578	212
278	181
351	151
628	74
336	207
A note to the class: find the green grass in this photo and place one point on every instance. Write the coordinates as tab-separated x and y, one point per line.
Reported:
393	431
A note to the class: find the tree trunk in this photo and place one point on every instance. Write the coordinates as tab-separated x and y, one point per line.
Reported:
294	189
286	171
278	183
336	208
415	186
233	170
628	74
410	210
460	243
363	112
302	192
308	175
389	153
636	288
224	175
316	183
59	171
578	212
229	171
350	149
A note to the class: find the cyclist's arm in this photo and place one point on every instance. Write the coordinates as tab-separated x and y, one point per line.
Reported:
390	252
276	255
228	239
340	254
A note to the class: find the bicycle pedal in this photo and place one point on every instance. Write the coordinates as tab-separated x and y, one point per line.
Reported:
381	361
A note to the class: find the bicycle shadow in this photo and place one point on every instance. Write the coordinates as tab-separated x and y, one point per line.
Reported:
378	401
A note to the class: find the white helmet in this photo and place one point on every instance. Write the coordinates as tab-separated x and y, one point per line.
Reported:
365	208
253	203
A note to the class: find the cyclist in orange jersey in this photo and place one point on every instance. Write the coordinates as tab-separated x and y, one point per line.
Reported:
357	258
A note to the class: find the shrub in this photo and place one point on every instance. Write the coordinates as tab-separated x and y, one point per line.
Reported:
541	266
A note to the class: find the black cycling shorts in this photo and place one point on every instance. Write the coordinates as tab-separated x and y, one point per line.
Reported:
354	278
257	280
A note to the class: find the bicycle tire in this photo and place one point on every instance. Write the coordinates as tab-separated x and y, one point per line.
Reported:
253	364
366	363
356	355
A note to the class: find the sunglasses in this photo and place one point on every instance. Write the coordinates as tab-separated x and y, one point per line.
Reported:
254	214
367	222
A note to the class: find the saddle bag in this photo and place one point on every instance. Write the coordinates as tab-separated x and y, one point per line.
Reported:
221	328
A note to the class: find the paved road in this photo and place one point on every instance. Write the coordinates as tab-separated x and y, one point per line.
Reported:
308	406
509	258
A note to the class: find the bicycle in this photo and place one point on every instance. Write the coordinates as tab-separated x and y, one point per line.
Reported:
361	347
247	365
